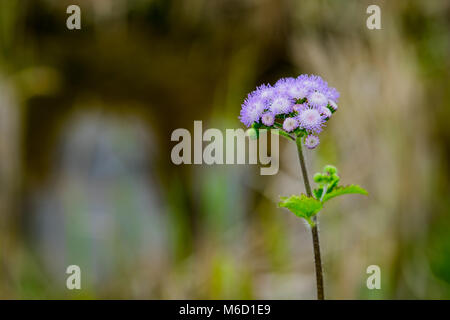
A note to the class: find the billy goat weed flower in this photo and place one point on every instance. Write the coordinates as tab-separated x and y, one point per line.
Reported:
311	141
268	119
301	105
290	124
298	109
311	119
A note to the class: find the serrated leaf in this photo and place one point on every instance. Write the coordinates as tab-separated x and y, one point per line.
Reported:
344	190
303	206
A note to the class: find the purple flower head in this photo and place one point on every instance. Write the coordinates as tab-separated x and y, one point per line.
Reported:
292	87
268	119
311	120
281	104
290	124
252	109
312	82
267	102
311	141
283	84
265	92
332	94
315	83
317	99
297	91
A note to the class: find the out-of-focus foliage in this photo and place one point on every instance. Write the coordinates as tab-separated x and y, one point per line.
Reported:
85	170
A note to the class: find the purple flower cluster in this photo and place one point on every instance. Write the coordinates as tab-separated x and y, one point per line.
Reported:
301	105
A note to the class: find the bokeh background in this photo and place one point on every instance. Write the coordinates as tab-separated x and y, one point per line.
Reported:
86	177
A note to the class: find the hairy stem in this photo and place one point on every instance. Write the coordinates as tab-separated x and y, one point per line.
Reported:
314	228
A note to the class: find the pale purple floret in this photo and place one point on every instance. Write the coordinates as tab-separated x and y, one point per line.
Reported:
311	120
292	87
316	83
332	94
266	92
290	124
252	109
297	91
317	99
311	141
268	119
284	84
313	83
281	104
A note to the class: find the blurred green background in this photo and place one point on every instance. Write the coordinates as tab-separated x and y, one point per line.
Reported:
85	170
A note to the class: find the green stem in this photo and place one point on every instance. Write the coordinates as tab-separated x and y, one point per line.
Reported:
314	228
283	133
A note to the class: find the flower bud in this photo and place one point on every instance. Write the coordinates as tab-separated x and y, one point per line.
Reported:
252	133
330	169
318	177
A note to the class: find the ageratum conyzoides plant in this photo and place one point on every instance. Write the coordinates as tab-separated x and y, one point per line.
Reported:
299	109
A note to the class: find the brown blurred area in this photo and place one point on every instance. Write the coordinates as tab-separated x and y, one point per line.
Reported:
86	176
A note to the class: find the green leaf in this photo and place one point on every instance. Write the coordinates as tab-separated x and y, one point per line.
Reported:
303	206
344	190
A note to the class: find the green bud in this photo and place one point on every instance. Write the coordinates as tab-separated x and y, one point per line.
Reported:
330	169
252	133
318	178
